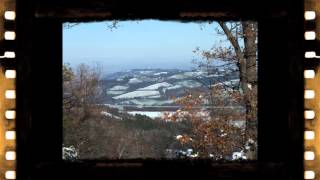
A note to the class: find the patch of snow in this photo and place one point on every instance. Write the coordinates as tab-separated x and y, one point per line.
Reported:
150	102
194	155
120	79
114	106
154	97
189	83
110	115
118	88
215	75
177	76
250	141
194	73
159	73
145	72
115	92
232	82
69	153
151	114
223	134
137	94
179	137
238	155
171	87
238	123
135	81
156	86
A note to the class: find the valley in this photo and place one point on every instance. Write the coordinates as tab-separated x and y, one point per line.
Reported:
155	90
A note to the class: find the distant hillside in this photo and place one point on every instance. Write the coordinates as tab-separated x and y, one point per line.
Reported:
157	87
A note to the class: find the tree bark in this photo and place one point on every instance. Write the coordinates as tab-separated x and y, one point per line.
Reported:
247	63
250	54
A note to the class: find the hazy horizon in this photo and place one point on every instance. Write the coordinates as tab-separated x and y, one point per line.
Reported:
146	44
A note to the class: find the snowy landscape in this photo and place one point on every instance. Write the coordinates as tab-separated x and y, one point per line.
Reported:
132	94
152	94
138	90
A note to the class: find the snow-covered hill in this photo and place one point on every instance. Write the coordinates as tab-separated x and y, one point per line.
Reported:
138	94
157	87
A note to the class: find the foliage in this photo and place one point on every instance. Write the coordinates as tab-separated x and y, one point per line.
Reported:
204	124
213	134
81	89
93	134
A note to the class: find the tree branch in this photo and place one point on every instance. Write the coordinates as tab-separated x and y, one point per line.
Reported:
232	39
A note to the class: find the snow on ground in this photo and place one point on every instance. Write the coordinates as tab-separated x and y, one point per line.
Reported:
194	73
137	94
145	72
119	107
238	155
215	75
150	102
135	80
151	114
238	123
156	86
69	153
159	73
154	97
232	82
110	115
177	76
115	92
187	74
189	83
118	88
171	87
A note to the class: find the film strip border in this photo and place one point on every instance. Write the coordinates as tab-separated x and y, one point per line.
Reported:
312	90
7	89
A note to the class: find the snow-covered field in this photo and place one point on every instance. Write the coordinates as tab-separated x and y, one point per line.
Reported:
115	92
146	72
231	83
118	88
194	73
177	76
160	73
148	102
189	83
151	114
171	88
156	86
138	94
135	80
110	115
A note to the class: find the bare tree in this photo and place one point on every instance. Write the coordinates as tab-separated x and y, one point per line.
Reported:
215	134
247	62
81	93
82	89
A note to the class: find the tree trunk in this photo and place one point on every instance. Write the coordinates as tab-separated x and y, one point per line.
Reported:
247	62
250	92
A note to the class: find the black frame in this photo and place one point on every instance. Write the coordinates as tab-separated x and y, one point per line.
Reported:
39	88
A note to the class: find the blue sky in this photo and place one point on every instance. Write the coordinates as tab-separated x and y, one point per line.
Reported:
137	44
